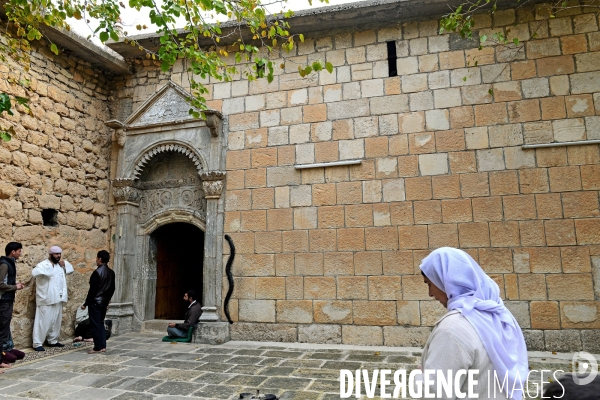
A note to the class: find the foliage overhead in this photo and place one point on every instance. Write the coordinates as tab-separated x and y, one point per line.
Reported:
250	28
462	18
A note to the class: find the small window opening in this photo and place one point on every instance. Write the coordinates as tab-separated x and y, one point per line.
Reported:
391	51
50	217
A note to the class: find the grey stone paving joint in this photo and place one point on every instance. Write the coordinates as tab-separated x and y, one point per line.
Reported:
138	367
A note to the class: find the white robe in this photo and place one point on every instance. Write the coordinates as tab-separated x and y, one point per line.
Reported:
51	283
454	344
51	293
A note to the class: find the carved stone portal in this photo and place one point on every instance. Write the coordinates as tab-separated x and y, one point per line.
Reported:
169	170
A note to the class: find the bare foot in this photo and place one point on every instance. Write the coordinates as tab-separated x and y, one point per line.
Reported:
88	340
77	339
94	351
4	365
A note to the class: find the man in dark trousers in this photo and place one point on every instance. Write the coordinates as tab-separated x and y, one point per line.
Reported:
8	288
102	287
192	315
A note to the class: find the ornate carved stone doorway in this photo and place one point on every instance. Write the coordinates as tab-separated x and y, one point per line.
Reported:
169	170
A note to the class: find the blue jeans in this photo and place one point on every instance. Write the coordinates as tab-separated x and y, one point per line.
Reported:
176	332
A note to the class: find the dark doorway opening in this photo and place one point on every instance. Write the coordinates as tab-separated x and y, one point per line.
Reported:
179	258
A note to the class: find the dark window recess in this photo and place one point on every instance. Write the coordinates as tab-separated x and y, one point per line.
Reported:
50	217
392	68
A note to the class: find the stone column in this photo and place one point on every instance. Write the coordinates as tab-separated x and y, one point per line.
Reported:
123	261
212	183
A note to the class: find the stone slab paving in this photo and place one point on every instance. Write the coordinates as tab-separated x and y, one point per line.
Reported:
138	366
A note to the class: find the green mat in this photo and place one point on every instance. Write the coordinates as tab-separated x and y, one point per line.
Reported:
187	339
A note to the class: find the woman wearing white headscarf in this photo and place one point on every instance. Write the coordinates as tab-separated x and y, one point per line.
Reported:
478	332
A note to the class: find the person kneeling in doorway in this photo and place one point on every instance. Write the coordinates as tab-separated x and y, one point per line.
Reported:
192	315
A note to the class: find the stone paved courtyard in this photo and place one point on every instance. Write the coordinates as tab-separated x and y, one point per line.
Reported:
139	366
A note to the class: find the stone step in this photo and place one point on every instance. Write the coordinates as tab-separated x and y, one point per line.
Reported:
156	325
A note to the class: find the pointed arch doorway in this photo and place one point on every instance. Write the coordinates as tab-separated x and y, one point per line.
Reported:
179	261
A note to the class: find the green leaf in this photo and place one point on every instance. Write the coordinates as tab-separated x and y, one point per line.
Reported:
301	36
103	36
464	78
491	91
482	38
329	67
24	101
5	136
516	41
114	36
54	48
5	104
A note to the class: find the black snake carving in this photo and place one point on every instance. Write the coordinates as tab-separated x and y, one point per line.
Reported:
229	276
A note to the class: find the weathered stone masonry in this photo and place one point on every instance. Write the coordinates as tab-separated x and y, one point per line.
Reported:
332	254
57	160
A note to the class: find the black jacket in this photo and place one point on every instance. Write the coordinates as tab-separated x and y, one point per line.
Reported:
192	315
9	280
102	286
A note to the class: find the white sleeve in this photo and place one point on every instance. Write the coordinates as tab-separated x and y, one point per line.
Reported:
43	268
68	268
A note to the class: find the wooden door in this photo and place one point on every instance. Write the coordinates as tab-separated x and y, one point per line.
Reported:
179	256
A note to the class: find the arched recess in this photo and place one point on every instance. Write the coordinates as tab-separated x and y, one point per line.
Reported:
171	216
163	147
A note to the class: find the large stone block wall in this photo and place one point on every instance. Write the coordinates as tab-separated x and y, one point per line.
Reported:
332	255
58	159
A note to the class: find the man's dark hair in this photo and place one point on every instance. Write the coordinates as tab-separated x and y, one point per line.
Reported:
104	256
572	391
12	246
192	294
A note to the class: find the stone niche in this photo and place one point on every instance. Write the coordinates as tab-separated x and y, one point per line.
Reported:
169	171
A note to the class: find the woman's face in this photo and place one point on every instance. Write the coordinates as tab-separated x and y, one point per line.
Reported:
436	292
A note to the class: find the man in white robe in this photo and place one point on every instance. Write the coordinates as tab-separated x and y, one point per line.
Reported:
51	293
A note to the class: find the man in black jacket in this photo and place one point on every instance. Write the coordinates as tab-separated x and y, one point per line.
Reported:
192	315
102	287
8	287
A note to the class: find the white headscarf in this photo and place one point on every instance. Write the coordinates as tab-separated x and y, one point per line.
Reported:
477	297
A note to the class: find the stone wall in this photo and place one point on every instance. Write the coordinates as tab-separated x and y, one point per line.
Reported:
332	254
58	159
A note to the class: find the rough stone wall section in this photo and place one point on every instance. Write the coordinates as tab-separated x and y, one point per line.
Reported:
58	160
332	255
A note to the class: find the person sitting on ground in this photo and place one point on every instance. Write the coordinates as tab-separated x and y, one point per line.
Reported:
83	327
192	315
478	332
567	389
